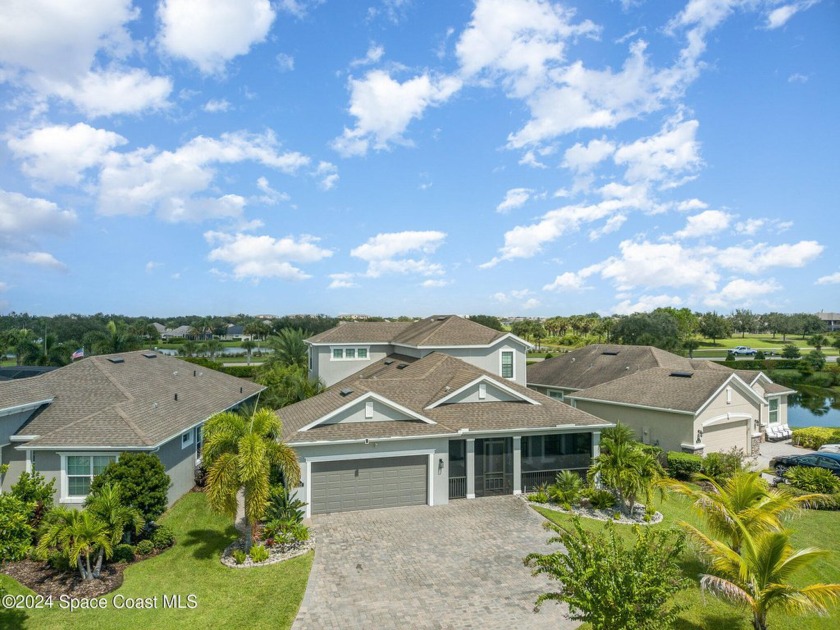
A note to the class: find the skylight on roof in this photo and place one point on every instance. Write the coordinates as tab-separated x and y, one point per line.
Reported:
346	391
116	359
402	366
388	361
150	355
682	374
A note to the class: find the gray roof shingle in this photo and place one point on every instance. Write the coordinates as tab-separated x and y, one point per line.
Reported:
437	331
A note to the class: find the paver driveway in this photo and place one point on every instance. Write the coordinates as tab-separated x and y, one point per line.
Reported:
452	566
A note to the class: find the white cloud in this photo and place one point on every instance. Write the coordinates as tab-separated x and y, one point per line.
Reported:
152	265
328	173
514	198
211	34
673	151
270	196
798	77
740	292
373	55
215	105
60	154
388	253
761	257
655	265
691	204
779	17
708	223
530	304
613	224
256	257
567	281
834	278
434	284
342	281
285	63
583	158
22	217
749	226
645	304
384	107
38	259
115	92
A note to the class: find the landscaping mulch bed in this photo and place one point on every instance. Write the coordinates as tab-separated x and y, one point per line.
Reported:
46	581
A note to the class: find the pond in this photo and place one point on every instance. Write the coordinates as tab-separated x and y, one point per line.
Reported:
222	352
814	407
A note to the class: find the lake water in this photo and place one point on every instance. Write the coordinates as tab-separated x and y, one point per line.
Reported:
814	408
223	351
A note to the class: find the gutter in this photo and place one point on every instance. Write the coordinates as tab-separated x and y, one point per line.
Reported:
621	404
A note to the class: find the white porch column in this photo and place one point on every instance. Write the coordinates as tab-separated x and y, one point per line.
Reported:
517	464
596	450
471	468
28	465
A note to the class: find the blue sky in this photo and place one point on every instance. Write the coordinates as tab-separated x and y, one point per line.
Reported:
404	157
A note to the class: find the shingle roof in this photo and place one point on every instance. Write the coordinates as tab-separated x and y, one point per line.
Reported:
601	363
415	386
659	388
436	331
98	403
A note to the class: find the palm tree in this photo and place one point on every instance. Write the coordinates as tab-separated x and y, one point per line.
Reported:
289	347
77	533
758	576
818	341
107	505
248	346
213	347
286	384
628	470
744	502
240	452
188	348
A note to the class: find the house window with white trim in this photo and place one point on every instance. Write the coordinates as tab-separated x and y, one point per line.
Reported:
337	354
556	395
187	439
507	364
81	469
347	353
774	410
199	440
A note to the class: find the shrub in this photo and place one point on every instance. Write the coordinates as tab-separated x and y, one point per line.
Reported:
820	379
300	532
15	531
815	360
59	561
683	465
239	556
143	482
613	587
145	547
759	356
809	479
259	553
601	499
566	489
540	495
36	493
38	555
790	351
200	475
281	507
162	537
814	437
123	553
721	466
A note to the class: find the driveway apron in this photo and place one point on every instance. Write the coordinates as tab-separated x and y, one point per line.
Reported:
451	566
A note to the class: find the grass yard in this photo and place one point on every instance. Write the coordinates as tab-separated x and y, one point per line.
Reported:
266	597
813	528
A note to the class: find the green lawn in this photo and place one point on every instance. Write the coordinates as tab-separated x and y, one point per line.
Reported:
266	597
813	528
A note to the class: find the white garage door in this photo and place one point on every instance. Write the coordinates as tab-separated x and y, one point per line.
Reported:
720	438
366	484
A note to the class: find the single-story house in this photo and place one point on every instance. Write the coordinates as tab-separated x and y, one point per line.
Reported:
68	424
677	403
422	430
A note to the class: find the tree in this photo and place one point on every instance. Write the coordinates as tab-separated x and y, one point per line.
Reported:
818	341
491	321
808	324
115	338
213	347
691	345
687	321
714	327
286	384
610	586
648	329
248	346
743	321
758	576
744	502
188	348
36	493
143	482
289	348
107	505
815	360
790	351
239	452
78	534
538	332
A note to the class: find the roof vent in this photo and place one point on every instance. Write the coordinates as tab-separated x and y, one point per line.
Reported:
440	319
682	374
116	359
150	355
346	391
388	361
610	353
402	366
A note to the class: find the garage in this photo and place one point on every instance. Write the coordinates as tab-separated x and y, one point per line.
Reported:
721	437
367	484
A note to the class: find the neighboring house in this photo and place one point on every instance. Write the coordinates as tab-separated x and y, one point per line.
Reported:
68	424
342	351
677	403
181	332
831	320
406	430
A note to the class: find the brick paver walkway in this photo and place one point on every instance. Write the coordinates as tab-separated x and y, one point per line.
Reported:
453	566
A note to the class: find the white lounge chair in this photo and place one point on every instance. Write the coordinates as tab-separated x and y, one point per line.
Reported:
786	432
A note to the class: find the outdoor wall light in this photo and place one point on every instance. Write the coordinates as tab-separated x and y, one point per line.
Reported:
699	435
440	464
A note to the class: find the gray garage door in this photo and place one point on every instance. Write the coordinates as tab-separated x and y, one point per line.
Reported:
365	484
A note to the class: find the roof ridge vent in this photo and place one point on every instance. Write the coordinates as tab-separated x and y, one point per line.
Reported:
681	374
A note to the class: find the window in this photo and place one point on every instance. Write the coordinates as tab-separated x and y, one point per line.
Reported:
482	391
774	410
728	395
557	395
350	354
186	439
81	469
311	358
368	410
199	440
507	364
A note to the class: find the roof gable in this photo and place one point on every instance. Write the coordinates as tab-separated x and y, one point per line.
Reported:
349	412
483	389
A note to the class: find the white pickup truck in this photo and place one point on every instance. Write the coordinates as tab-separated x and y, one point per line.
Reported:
743	351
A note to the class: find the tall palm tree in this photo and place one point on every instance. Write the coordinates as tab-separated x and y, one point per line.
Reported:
240	452
758	576
248	346
77	533
106	504
188	348
289	347
744	502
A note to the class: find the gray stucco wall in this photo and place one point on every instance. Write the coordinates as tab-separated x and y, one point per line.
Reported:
490	358
356	413
9	424
17	464
385	448
331	371
180	466
669	430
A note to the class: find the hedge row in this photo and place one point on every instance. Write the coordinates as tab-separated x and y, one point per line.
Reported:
815	437
683	465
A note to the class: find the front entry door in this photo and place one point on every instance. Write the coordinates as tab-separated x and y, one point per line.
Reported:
494	466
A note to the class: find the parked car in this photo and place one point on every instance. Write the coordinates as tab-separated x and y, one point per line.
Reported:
823	459
743	350
830	448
